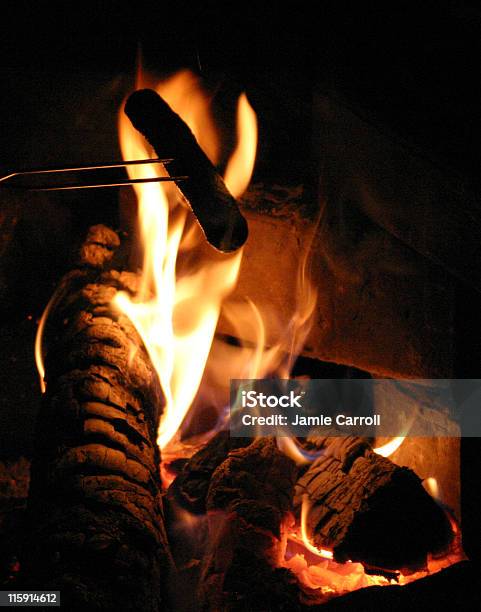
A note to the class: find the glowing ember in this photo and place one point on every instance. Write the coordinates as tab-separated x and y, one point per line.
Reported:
331	579
315	566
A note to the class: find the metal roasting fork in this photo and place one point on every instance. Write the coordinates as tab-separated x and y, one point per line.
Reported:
8	178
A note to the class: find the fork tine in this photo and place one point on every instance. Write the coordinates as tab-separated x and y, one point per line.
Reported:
72	186
80	168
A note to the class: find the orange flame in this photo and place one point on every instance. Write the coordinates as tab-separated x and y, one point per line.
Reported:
320	552
386	450
432	487
241	164
178	305
39	357
185	94
39	337
259	359
184	283
329	578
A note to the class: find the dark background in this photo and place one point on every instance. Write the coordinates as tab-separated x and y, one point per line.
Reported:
411	65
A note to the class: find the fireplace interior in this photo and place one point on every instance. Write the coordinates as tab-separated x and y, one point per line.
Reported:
362	262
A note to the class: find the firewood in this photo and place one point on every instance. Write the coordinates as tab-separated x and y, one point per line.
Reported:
191	486
248	502
214	207
365	508
95	507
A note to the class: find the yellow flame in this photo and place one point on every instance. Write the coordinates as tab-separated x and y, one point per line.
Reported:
431	486
185	94
258	358
178	305
386	450
320	552
274	342
39	337
39	360
241	164
184	283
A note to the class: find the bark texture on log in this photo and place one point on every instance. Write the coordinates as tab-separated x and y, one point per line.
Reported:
191	486
96	517
248	502
366	508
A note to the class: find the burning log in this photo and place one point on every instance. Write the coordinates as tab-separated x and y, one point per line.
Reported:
365	508
214	207
191	486
248	502
360	505
96	530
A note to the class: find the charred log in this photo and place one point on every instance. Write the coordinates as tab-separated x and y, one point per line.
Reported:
214	207
96	518
248	502
367	509
191	486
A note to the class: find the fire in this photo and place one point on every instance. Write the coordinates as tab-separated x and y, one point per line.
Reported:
290	448
241	164
39	358
39	337
296	452
329	578
273	343
390	447
316	568
183	282
321	552
259	359
302	457
432	487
